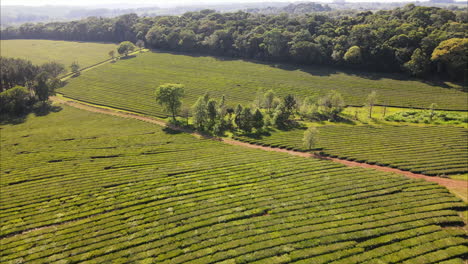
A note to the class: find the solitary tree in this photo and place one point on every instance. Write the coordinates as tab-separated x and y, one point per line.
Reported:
75	68
112	54
169	95
310	137
432	111
371	101
140	44
125	48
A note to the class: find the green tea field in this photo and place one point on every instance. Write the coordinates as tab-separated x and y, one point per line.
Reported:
129	84
92	188
428	150
65	52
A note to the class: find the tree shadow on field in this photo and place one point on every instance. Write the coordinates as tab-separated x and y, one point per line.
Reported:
45	108
171	131
39	109
128	57
8	119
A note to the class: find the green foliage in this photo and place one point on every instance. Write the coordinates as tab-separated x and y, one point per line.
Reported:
310	138
53	69
140	193
125	48
129	84
212	110
429	117
281	117
353	55
419	63
170	95
42	89
40	81
290	103
245	120
15	101
112	54
75	68
257	120
358	39
331	105
428	150
371	100
200	113
453	54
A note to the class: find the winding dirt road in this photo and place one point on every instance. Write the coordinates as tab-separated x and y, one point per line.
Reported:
458	187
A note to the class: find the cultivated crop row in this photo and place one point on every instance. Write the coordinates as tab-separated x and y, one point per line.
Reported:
130	84
429	150
140	195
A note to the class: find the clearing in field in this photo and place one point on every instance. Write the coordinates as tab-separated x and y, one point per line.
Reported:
118	190
129	84
65	52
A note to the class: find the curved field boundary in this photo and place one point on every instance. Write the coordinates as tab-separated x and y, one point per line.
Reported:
458	187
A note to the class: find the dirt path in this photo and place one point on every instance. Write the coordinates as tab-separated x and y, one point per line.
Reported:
458	187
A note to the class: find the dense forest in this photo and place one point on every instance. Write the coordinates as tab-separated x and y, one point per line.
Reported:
423	41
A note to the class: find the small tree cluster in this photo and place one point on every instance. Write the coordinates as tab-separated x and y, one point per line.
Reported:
211	115
327	107
22	84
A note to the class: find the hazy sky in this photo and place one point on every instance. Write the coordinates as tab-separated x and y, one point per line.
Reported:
152	2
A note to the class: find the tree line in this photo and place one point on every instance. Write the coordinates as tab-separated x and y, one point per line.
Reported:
422	41
267	110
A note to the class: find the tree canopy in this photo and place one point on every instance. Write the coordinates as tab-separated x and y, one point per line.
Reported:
125	48
404	37
170	95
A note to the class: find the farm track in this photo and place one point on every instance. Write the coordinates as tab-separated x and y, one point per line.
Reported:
458	187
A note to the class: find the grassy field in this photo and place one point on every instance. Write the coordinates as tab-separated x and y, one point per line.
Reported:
429	150
66	52
129	84
114	190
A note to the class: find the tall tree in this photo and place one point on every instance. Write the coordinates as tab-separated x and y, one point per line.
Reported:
112	54
257	120
371	101
269	98
75	68
125	48
170	95
310	138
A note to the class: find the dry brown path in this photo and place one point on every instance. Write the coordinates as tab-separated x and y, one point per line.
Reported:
458	187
